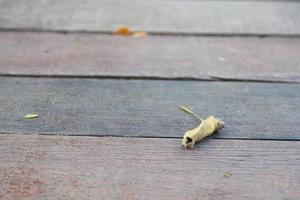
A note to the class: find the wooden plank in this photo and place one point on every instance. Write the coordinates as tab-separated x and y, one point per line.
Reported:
147	108
190	17
246	58
51	167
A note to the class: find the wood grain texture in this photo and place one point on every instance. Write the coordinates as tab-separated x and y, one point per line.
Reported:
147	108
196	17
56	167
243	58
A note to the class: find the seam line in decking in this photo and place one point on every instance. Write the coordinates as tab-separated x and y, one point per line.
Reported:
116	77
143	137
165	33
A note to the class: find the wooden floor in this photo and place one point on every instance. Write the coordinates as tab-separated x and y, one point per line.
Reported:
109	123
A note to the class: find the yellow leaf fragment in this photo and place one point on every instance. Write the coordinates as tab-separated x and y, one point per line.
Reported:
31	116
125	31
140	34
227	174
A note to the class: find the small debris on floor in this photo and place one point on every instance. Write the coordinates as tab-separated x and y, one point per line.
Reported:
124	30
140	34
205	128
31	116
227	174
221	59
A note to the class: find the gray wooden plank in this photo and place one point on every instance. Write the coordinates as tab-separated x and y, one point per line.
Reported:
56	167
196	17
148	108
241	58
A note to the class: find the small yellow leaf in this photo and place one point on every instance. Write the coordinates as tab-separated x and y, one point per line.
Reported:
125	31
140	34
31	116
227	174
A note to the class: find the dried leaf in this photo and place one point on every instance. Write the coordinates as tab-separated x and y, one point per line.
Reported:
31	116
140	34
125	31
205	128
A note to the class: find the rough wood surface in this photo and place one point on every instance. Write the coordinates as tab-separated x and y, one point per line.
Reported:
199	17
56	167
246	58
147	108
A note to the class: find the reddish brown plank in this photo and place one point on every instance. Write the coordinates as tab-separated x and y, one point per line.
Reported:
56	167
244	58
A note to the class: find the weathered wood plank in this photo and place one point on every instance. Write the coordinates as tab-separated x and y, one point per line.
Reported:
196	17
246	58
147	108
56	167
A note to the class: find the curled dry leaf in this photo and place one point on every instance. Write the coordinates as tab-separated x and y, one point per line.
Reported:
205	128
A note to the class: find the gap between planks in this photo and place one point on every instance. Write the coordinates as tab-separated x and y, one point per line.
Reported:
148	137
152	33
149	78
